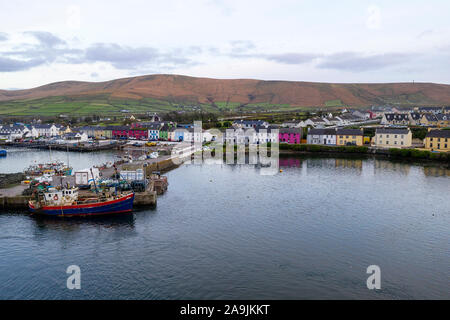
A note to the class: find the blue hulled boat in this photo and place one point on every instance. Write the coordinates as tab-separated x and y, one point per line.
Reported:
66	203
2	153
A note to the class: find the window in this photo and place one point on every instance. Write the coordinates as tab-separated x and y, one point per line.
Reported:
387	136
395	136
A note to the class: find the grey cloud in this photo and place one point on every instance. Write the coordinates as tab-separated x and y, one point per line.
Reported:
52	49
240	46
351	61
123	57
11	65
46	38
292	58
120	57
3	36
26	56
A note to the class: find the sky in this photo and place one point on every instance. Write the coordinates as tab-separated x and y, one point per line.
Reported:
297	40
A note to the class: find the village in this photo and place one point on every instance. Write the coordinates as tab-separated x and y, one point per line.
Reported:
380	127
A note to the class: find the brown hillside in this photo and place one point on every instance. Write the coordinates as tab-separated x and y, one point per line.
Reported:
205	90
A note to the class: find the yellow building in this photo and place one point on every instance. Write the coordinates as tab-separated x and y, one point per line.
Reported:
102	133
65	130
346	137
392	138
438	140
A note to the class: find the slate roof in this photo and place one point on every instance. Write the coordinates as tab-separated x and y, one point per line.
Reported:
391	131
349	132
322	132
438	134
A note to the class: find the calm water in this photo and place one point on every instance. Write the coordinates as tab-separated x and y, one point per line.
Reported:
228	232
19	158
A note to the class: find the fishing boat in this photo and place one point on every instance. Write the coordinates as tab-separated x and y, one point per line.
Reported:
2	153
57	167
66	202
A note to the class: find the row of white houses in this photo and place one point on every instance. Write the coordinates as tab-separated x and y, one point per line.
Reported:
341	120
18	131
255	135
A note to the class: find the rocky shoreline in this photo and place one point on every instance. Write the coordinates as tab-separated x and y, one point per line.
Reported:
11	179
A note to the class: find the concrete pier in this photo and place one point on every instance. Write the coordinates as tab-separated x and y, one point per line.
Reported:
12	198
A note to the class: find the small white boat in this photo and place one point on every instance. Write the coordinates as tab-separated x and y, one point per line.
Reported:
154	155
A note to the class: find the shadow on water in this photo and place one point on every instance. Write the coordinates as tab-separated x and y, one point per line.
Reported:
114	221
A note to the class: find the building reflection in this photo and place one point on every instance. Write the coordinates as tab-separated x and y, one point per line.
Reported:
349	163
384	166
312	163
290	162
436	172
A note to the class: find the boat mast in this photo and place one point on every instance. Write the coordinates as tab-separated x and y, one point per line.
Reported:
95	184
67	152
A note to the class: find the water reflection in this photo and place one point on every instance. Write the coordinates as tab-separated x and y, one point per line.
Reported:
349	164
381	166
290	162
45	223
436	172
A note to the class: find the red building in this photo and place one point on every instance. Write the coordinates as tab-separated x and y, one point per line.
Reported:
123	132
290	135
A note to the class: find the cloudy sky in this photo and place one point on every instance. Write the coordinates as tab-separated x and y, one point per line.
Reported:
306	40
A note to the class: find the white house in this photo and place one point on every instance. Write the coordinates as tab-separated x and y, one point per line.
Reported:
293	124
46	130
246	124
76	136
321	136
153	131
192	135
316	122
14	131
364	115
258	135
389	137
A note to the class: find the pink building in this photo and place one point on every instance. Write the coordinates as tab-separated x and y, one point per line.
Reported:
122	132
290	135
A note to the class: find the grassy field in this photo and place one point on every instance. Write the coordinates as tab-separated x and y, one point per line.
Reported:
333	103
105	105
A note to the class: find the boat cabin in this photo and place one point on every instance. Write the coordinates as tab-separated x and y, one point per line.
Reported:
65	196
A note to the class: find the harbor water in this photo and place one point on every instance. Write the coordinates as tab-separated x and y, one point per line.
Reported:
229	232
18	159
